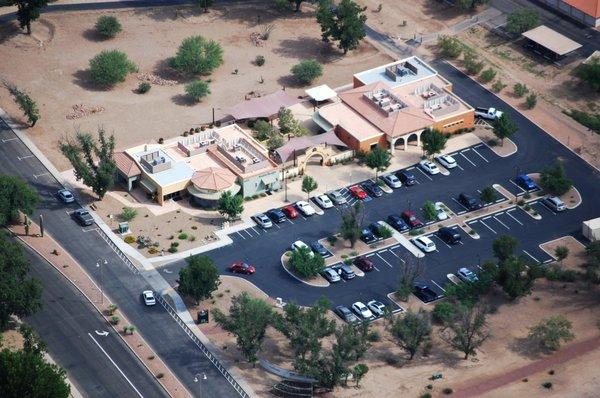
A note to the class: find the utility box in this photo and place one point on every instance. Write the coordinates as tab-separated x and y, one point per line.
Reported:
203	316
123	228
591	229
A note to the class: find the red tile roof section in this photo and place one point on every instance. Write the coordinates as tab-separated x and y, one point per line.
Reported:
590	7
126	164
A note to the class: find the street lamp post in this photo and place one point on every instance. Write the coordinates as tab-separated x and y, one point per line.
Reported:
478	261
99	265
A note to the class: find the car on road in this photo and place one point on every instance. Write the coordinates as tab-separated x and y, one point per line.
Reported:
554	203
290	211
242	268
305	208
66	196
411	219
406	177
397	222
346	272
276	215
488	113
331	275
372	188
424	243
364	264
83	217
323	201
318	248
299	244
357	192
429	167
367	236
447	161
337	197
362	310
449	235
148	296
525	182
376	307
346	315
440	212
392	181
469	201
424	292
262	220
467	275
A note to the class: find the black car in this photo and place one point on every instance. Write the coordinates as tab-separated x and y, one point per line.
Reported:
276	215
424	293
83	217
376	228
372	189
406	177
449	235
346	272
469	201
345	314
367	236
318	248
397	223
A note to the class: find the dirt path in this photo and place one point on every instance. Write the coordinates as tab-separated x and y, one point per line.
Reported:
573	351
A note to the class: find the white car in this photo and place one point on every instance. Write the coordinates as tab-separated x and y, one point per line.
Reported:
429	167
376	307
324	201
298	244
305	208
149	298
263	221
425	244
392	181
440	212
66	196
337	197
361	310
447	161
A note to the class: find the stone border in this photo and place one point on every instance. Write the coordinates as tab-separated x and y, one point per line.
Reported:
283	264
568	237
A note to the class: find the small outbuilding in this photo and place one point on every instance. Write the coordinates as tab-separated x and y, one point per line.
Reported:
591	229
549	43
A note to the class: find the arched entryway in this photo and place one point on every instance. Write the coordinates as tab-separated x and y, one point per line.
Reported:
315	156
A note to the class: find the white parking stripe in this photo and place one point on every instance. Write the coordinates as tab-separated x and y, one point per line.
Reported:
475	150
394	247
385	261
376	269
394	254
257	233
441	240
458	165
461	205
511	216
249	234
517	185
468	160
242	236
435	283
488	227
277	225
422	172
504	225
535	259
369	255
291	222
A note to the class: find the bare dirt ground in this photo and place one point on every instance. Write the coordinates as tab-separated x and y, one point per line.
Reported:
57	59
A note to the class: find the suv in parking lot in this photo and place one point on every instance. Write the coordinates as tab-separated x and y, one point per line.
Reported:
411	219
337	197
447	161
392	181
525	182
467	275
396	222
318	248
470	202
363	263
406	177
449	235
346	272
424	292
372	188
276	215
83	217
554	203
425	244
331	275
345	314
429	167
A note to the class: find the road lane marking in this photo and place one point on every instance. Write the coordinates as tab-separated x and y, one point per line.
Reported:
24	157
475	150
385	261
535	259
481	221
435	283
9	139
504	225
467	159
511	216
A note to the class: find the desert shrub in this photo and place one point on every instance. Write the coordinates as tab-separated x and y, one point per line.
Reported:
129	239
172	249
520	89
531	101
263	130
588	120
110	67
108	26
558	273
191	238
450	46
443	312
197	90
307	70
332	239
447	391
197	55
488	75
111	309
426	395
152	250
114	320
373	336
174	244
144	87
128	213
547	385
472	63
259	60
498	86
182	236
26	104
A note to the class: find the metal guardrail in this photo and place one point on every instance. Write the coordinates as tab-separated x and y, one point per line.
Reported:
118	251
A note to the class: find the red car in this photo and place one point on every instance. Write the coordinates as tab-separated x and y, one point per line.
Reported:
411	219
357	192
242	268
363	263
290	211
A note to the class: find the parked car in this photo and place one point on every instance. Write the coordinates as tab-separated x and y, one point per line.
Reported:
467	275
331	275
323	201
406	177
290	211
242	268
411	219
345	314
488	113
376	307
66	196
440	212
449	235
429	167
262	220
376	228
554	203
424	292
392	181
367	236
357	192
425	244
447	161
83	217
362	310
525	182
396	222
469	201
148	296
372	188
364	264
276	215
299	244
337	197
305	208
318	248
346	272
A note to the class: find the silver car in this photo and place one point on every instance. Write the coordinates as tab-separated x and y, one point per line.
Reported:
337	197
392	181
263	221
66	196
331	275
555	203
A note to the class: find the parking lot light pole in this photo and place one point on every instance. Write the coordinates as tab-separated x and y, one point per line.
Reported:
99	265
478	261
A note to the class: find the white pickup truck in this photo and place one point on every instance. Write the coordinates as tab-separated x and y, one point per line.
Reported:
488	113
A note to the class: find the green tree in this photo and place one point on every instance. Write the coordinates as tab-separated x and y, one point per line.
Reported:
531	101
516	276
433	141
307	70
504	127
378	159
498	86
25	372
288	124
275	141
520	89
469	4
443	311
263	130
230	206
110	67
20	295
27	11
522	20
488	75
554	181
450	46
467	330
26	104
92	160
199	278
411	330
429	211
197	55
128	213
561	252
352	219
488	195
504	247
108	26
15	196
549	333
298	3
248	320
197	90
469	292
409	271
309	184
589	72
358	372
344	23
205	4
305	263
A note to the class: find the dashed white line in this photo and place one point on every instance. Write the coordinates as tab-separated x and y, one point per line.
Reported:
535	259
9	139
24	157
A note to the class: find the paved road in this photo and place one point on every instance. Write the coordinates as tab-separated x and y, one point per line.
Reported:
99	366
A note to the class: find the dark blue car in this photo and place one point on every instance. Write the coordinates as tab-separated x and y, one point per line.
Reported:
525	182
276	215
397	223
318	248
406	177
372	189
367	236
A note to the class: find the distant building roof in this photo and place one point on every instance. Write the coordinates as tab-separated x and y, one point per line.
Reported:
552	40
341	114
213	179
261	107
126	164
397	73
590	7
302	143
321	93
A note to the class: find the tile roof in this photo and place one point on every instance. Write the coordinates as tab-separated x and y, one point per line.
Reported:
213	178
126	164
